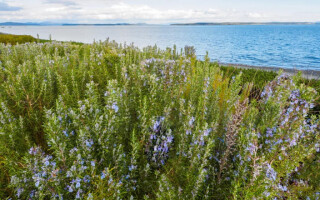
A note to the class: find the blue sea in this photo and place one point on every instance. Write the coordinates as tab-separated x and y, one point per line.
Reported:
285	46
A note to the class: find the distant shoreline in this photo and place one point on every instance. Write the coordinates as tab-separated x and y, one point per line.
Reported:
145	24
308	74
244	23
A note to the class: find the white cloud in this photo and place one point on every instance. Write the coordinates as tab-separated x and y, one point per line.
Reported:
63	2
111	11
6	7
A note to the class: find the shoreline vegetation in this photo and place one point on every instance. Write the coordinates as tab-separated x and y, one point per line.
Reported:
306	73
106	120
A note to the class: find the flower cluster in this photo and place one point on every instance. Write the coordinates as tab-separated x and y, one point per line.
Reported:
160	142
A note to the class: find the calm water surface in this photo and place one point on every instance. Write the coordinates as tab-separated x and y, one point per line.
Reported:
286	46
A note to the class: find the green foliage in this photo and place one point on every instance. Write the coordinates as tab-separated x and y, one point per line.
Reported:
110	121
16	39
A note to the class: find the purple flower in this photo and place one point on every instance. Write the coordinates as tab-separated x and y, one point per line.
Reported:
251	148
103	175
271	173
78	195
170	139
32	151
153	137
19	191
206	132
78	180
70	189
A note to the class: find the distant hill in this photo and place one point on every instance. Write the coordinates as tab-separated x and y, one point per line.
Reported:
19	24
245	23
62	24
117	24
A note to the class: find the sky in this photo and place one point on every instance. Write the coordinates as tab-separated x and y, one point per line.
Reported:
159	11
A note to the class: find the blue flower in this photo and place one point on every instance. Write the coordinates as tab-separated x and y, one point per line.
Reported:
93	163
37	183
32	150
271	173
206	132
89	143
78	180
78	195
153	137
19	191
70	189
65	133
103	175
132	167
170	139
115	107
47	163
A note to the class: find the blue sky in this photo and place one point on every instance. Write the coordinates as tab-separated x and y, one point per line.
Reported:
159	11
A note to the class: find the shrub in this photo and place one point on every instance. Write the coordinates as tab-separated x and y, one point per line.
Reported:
110	121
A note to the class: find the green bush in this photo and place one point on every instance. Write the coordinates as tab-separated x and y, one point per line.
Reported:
16	39
115	122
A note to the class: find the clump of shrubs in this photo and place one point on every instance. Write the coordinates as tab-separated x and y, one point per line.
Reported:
106	121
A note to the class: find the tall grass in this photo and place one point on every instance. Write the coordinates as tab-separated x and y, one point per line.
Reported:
115	122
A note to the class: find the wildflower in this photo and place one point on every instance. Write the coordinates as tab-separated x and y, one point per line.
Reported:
82	108
282	188
153	137
93	163
317	148
170	139
70	189
86	179
37	183
206	132
19	191
78	180
46	163
65	133
90	196
191	121
78	195
32	151
103	175
252	148
115	107
271	173
89	143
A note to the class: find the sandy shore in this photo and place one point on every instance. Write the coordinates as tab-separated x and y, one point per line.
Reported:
308	74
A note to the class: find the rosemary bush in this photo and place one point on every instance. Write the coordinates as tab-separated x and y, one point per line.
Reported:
107	121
